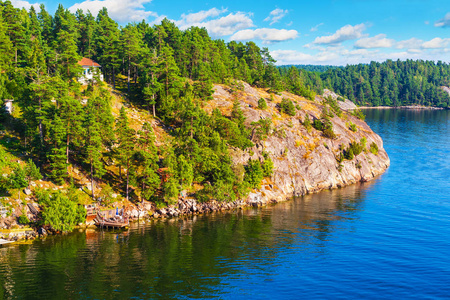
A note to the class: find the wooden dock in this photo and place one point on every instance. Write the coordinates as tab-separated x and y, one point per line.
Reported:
112	218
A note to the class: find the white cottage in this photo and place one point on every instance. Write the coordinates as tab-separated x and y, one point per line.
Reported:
90	67
8	106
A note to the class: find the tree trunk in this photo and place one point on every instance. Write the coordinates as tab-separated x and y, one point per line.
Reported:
67	149
92	180
154	110
128	172
114	78
128	75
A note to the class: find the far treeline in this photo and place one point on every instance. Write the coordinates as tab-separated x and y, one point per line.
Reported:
391	83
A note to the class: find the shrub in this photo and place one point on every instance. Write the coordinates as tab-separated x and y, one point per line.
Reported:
262	128
359	114
262	103
267	165
328	130
353	127
23	219
334	106
307	123
287	107
253	173
374	148
59	211
317	124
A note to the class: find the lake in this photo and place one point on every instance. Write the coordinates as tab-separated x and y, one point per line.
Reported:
385	239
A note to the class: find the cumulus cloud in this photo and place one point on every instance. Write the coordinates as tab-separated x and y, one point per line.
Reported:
187	19
341	56
284	57
378	41
119	10
348	32
436	43
25	4
267	35
315	28
413	43
444	22
276	15
223	26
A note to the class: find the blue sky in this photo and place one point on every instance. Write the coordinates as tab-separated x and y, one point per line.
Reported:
334	32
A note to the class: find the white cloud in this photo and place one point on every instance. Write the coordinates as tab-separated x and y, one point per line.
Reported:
119	10
342	56
315	28
25	4
413	43
223	26
267	35
436	43
285	57
444	22
348	32
276	15
378	41
187	19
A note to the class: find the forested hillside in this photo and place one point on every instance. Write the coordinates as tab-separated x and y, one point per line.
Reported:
62	128
391	83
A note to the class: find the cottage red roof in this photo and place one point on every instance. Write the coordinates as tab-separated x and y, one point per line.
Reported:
87	62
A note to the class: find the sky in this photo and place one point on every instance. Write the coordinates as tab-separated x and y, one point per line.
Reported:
320	32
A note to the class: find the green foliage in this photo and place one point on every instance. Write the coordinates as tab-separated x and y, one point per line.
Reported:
334	106
60	211
353	127
171	191
262	103
307	123
359	114
262	128
254	173
267	165
317	124
32	171
23	219
374	148
353	150
287	107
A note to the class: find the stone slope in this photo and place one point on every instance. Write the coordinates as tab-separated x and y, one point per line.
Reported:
304	162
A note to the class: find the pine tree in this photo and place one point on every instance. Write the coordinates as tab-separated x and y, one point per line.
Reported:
147	163
126	141
18	179
72	117
93	146
57	156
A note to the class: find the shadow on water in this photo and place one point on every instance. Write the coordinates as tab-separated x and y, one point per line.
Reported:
176	258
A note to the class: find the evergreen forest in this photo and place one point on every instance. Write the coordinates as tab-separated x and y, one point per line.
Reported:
391	83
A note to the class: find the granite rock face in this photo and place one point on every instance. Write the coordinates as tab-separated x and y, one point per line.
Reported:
304	162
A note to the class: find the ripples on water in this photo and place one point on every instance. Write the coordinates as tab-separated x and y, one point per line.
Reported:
388	238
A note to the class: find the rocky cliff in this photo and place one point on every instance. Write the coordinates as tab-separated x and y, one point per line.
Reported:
304	162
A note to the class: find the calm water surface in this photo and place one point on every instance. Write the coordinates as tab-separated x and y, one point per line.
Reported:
386	239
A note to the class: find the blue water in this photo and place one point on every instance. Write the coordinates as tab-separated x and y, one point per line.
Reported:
384	239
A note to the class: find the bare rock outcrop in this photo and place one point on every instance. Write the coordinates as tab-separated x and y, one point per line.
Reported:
304	162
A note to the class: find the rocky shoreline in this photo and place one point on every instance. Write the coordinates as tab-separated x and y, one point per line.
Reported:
412	107
304	160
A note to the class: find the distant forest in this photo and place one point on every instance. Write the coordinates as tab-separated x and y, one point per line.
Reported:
391	83
310	68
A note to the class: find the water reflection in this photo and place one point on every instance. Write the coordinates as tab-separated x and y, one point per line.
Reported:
184	257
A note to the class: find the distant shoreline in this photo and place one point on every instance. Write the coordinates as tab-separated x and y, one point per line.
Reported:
416	107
